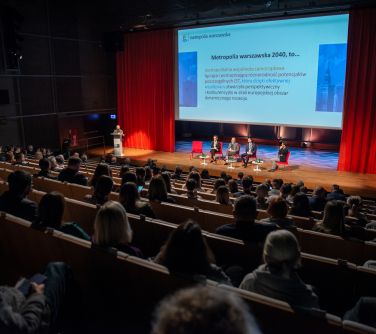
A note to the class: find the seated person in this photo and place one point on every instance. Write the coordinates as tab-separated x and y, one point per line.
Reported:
233	149
276	185
333	221
60	162
200	310
45	169
250	152
20	159
38	310
282	155
51	213
285	190
247	183
363	312
354	204
245	227
318	200
187	253
233	186
128	177
112	229
205	174
222	196
14	201
177	174
167	179
218	182
140	176
336	194
195	176
214	148
191	186
300	206
71	173
130	199
101	169
103	188
262	196
277	211
277	278
158	190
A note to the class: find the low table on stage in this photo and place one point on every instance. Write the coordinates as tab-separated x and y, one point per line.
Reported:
258	163
231	161
203	157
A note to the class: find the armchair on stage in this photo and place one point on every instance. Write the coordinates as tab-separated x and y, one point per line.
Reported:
118	135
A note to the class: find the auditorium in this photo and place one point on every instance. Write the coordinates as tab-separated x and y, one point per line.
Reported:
187	167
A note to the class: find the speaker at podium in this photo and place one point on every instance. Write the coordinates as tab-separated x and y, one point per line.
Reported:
118	135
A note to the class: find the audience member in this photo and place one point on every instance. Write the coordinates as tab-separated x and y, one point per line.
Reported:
295	189
333	221
233	187
203	310
166	178
336	194
285	190
178	173
14	201
245	227
277	278
53	163
60	162
196	176
240	178
101	169
262	196
130	199
112	229
318	200
186	252
123	169
45	169
191	186
354	204
129	177
276	187
277	211
247	184
148	174
300	206
50	215
218	183
223	196
205	174
72	173
363	312
158	190
20	159
102	190
140	175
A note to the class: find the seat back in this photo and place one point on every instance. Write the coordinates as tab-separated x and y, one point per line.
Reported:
81	213
4	173
3	186
48	185
196	147
79	192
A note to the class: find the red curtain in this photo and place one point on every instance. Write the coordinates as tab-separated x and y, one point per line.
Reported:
358	143
145	87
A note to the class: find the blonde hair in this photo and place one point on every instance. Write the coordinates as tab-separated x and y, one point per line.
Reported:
281	250
111	226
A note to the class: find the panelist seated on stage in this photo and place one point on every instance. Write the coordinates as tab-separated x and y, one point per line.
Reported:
282	155
250	151
233	148
214	148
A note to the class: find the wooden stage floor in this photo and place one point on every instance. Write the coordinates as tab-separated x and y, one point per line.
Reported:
352	183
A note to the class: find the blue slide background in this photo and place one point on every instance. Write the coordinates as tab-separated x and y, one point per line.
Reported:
188	79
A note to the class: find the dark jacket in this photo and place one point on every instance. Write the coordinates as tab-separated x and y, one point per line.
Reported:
45	174
20	315
71	176
247	231
270	283
317	203
279	222
282	154
144	209
337	195
20	207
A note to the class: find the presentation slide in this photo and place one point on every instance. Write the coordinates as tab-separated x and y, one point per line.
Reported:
283	72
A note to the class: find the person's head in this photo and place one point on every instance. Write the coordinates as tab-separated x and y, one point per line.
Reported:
9	157
223	175
74	163
337	188
44	165
140	173
111	226
223	195
103	186
38	155
156	171
249	140
282	144
84	157
157	189
102	169
233	186
277	207
354	203
178	171
233	140
19	183
118	127
285	189
282	251
294	190
53	163
196	176
247	183
30	148
51	210
123	169
215	138
191	185
203	310
186	250
319	192
75	154
240	176
277	184
300	205
262	190
60	159
129	177
334	217
129	195
166	178
19	157
245	209
148	174
205	174
217	184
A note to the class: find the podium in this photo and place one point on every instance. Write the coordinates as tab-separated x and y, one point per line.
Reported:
118	144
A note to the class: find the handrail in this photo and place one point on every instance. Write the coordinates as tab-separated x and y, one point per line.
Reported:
87	145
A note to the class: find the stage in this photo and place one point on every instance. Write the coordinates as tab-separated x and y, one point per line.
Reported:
312	175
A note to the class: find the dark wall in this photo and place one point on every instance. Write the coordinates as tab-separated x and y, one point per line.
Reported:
64	76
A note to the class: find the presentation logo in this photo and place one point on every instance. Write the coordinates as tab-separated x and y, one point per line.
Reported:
185	38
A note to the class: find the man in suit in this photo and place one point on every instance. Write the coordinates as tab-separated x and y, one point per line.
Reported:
214	148
250	151
282	155
72	173
233	148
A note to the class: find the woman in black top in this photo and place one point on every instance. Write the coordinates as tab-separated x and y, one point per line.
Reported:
130	199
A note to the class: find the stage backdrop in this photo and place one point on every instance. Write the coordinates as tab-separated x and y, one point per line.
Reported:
145	87
358	144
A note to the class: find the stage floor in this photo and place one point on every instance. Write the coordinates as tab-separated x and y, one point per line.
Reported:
352	183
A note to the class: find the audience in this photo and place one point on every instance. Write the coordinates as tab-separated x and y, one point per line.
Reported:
158	190
112	229
276	187
60	162
318	200
191	186
300	206
203	310
71	173
247	184
277	211
45	169
166	178
50	215
333	221
218	183
14	201
354	204
277	277
205	174
233	187
101	169
245	227
140	176
130	199
223	196
187	253
196	176
336	194
262	196
128	177
102	190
